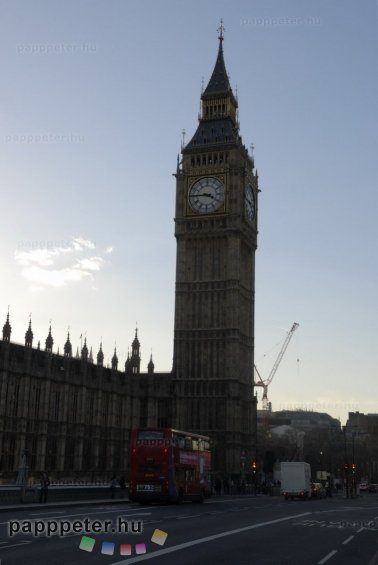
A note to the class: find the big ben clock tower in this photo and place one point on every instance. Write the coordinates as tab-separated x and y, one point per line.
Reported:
216	233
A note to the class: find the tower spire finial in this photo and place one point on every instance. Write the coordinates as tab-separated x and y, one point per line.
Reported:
221	29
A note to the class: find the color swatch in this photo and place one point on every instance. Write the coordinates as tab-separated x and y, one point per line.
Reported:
107	548
125	549
87	543
159	537
140	548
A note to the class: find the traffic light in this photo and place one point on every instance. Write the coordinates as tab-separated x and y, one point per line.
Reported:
354	467
254	467
346	467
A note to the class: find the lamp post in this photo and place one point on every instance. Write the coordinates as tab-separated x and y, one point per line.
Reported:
23	471
353	467
346	466
242	471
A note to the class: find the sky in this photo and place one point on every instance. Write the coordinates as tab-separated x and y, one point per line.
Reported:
95	95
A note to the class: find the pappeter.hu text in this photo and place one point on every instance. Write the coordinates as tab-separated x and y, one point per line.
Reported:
63	527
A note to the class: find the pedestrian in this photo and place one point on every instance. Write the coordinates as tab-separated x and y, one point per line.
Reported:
113	485
45	483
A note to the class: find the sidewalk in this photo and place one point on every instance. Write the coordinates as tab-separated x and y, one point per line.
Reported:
65	504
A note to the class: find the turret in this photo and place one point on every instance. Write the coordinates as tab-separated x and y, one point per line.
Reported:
84	351
7	329
100	357
115	360
150	366
68	347
135	355
29	336
49	342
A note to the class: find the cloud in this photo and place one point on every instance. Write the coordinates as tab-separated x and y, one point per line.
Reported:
80	243
43	256
91	264
59	266
54	277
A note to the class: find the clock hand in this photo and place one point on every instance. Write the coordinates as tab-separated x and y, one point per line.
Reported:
201	194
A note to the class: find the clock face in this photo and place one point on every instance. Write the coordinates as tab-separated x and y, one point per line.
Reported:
250	208
206	195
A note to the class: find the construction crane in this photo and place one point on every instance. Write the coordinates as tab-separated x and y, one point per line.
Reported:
266	383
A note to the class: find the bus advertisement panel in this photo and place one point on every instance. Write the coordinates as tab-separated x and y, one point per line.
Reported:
169	465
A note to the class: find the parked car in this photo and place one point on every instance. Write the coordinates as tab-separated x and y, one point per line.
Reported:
363	487
373	487
318	490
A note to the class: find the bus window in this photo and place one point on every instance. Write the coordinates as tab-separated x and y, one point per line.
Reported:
151	434
189	475
188	443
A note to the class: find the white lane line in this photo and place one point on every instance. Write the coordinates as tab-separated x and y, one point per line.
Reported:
16	545
87	514
330	554
174	548
347	540
45	513
360	530
191	516
230	500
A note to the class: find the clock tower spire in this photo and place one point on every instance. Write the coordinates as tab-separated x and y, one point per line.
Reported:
216	233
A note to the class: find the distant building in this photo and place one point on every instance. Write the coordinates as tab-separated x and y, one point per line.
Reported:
362	423
304	420
361	438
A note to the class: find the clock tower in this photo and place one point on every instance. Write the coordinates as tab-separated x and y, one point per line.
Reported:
216	233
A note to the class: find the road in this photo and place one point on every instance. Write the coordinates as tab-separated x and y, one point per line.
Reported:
232	530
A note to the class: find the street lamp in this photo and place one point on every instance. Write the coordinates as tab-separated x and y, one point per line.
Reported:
242	470
346	466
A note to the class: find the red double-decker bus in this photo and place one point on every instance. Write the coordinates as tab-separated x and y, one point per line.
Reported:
168	465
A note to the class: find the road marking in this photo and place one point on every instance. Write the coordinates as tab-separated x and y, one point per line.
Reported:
348	540
174	548
191	516
330	554
16	545
44	513
230	500
360	530
119	511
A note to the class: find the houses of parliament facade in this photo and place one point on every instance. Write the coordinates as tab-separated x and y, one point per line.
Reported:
71	415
